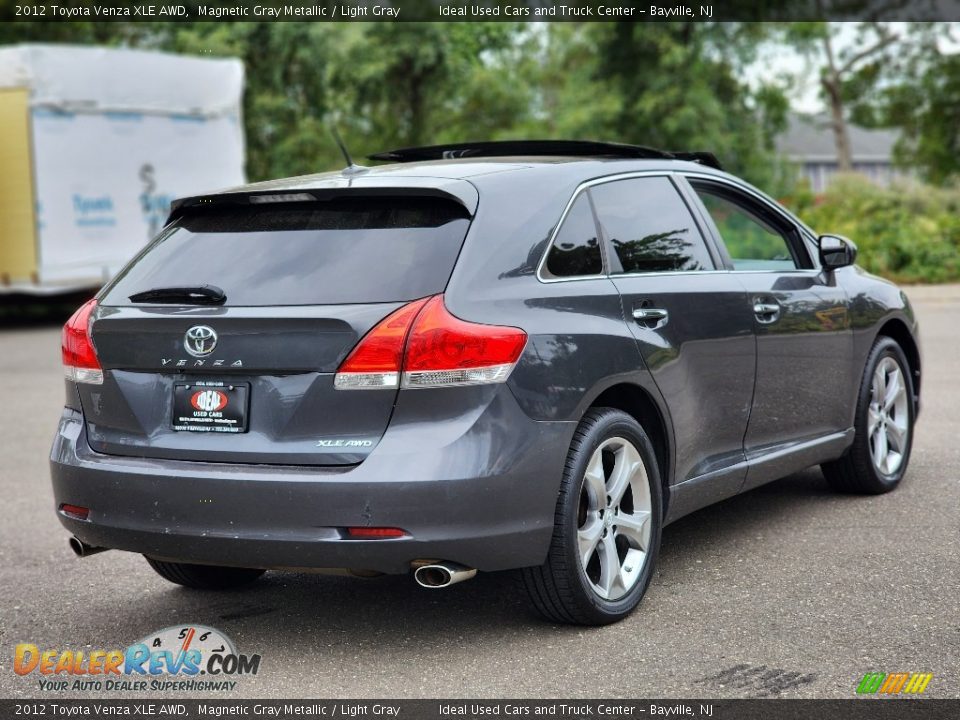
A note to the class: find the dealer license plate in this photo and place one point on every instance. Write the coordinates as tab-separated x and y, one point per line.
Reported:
211	406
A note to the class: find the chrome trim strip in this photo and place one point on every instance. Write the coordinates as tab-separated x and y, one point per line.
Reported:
718	178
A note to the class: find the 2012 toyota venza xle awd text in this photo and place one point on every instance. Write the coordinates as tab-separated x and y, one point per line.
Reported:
521	355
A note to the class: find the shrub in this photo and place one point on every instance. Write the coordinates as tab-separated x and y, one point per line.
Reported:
909	232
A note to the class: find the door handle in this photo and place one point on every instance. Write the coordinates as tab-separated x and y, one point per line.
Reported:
767	311
650	315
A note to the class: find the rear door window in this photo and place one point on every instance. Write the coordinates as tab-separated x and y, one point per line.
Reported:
340	251
649	227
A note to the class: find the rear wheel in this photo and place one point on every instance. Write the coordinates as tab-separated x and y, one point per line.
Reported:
204	577
878	458
607	525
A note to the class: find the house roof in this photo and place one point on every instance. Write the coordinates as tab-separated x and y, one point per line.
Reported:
809	138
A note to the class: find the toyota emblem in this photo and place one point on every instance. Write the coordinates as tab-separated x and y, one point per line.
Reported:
200	340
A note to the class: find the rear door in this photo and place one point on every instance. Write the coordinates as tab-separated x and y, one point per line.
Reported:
799	315
691	323
304	281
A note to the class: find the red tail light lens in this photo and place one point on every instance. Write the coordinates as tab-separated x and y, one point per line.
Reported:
80	362
375	362
375	533
444	350
77	512
426	346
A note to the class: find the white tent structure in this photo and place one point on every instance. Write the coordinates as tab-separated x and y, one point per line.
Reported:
94	144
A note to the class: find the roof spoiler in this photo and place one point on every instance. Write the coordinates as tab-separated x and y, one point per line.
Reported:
568	148
247	198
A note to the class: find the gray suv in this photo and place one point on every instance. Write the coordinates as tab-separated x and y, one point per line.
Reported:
491	356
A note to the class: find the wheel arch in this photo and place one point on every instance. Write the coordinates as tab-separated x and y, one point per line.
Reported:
897	330
641	406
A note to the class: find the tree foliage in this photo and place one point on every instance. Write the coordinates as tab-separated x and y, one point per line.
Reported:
670	85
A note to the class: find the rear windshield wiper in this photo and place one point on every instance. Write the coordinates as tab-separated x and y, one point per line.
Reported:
200	295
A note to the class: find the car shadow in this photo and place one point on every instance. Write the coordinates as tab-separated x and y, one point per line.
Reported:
743	515
305	610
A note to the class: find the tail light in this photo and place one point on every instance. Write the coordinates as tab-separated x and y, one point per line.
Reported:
445	350
423	345
80	362
375	362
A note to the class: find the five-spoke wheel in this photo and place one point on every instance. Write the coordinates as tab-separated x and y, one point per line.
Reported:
613	518
888	419
883	425
607	529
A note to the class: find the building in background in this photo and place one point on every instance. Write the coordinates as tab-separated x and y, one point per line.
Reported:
94	144
808	142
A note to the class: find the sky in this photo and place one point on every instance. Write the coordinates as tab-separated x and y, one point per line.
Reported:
775	61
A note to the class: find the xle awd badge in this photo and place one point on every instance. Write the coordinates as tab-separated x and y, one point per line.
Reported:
345	443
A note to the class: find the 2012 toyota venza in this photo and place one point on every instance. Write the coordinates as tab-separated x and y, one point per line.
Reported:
521	355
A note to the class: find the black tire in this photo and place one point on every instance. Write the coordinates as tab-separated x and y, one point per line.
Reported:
855	472
560	589
204	577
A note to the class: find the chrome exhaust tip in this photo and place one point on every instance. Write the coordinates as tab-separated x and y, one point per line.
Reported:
442	574
81	549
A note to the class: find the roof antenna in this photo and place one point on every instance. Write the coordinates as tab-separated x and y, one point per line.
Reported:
352	168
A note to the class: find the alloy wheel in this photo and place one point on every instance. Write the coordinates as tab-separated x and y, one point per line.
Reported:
888	417
613	519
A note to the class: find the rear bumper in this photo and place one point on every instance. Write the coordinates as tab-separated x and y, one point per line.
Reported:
477	487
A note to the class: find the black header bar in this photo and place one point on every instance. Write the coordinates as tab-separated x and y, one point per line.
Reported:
476	10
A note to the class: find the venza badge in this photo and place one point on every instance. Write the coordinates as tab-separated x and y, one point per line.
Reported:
200	340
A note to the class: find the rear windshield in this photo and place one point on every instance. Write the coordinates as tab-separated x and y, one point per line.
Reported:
356	250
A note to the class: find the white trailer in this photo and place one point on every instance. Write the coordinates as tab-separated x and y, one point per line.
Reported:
94	144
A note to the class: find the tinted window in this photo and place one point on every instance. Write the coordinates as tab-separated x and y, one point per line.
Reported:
357	250
576	249
649	226
752	243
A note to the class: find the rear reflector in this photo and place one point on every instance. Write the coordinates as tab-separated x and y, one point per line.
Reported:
368	533
77	512
80	362
426	346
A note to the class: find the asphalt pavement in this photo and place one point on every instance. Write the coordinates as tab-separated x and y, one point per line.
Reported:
786	591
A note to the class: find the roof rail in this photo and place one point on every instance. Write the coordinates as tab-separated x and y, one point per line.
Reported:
569	148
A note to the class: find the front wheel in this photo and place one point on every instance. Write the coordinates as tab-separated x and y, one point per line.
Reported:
607	525
878	457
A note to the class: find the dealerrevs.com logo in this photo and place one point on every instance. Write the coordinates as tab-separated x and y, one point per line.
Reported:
190	658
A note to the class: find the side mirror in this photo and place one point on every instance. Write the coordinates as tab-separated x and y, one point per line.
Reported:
836	252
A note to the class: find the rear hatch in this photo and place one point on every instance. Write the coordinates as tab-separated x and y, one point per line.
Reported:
249	377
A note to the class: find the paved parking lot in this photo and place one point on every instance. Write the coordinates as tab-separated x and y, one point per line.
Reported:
786	591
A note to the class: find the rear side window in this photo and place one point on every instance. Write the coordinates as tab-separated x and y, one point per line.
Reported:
341	251
576	249
649	227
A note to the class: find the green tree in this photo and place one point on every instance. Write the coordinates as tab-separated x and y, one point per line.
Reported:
678	86
855	60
